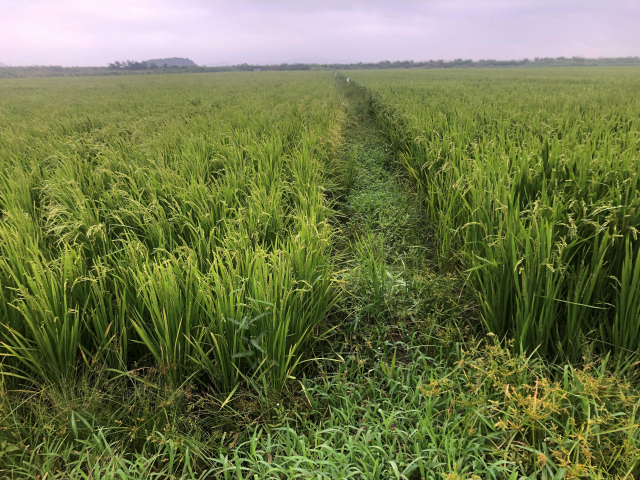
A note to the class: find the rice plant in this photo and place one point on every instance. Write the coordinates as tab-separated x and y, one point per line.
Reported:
531	184
166	262
173	223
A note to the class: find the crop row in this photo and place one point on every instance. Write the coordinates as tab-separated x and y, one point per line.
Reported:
174	222
531	182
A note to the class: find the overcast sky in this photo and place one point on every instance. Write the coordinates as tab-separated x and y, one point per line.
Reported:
95	32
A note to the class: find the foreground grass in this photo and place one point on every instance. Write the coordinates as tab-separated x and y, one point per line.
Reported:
480	413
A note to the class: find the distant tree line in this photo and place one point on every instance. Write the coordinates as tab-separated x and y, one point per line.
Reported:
152	65
282	67
460	63
174	62
384	65
132	67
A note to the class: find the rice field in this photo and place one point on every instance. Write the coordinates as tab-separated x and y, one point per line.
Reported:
531	183
175	219
422	275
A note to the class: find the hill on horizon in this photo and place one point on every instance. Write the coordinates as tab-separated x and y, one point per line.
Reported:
173	62
3	65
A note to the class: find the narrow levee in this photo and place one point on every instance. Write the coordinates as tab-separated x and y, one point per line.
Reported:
392	289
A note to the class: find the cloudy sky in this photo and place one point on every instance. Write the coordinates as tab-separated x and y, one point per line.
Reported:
95	32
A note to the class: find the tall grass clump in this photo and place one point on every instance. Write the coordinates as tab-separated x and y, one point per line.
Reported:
531	183
165	222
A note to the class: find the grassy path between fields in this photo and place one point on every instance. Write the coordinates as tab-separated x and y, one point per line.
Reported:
391	285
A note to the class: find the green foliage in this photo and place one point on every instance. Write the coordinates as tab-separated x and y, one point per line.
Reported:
482	413
385	270
178	222
531	183
169	247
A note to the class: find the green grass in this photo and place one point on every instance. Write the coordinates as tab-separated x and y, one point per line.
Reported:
490	414
386	271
